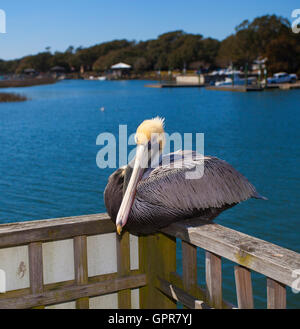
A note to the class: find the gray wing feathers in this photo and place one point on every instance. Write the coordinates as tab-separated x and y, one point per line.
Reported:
220	184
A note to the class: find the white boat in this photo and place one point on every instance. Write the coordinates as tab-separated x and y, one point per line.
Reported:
101	78
225	82
237	81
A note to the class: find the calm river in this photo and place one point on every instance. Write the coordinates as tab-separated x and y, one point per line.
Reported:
48	153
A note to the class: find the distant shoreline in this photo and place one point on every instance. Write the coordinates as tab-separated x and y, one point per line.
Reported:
26	82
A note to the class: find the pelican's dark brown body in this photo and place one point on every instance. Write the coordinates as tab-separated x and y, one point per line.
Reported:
164	195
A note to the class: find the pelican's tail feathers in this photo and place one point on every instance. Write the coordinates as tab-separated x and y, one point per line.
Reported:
258	196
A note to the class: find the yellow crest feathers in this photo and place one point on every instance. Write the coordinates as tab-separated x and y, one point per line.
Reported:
149	127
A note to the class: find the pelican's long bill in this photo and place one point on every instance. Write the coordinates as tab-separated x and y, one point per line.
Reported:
140	164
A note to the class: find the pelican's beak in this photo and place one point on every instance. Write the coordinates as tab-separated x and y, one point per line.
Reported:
140	163
119	229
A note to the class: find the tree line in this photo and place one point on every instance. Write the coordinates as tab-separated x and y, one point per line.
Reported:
267	36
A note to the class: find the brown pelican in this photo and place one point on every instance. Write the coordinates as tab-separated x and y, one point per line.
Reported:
146	199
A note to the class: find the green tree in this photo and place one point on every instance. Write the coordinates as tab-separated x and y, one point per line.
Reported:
262	38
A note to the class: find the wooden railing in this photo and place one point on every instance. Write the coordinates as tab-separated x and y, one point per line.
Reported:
159	284
249	253
35	233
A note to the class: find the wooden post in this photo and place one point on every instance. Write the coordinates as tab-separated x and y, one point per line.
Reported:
243	287
276	293
157	258
213	265
35	252
123	263
189	268
81	268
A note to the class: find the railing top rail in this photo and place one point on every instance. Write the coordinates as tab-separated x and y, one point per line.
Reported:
264	257
261	256
21	233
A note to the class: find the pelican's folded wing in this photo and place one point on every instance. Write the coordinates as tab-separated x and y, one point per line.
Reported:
196	183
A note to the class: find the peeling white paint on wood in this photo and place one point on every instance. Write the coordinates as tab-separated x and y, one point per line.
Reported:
135	298
102	254
58	261
134	252
2	281
14	262
104	302
63	306
101	250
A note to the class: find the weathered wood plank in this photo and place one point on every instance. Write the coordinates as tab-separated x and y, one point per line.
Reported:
35	254
266	258
213	267
157	257
123	265
273	261
243	287
189	267
180	295
62	284
276	294
21	233
176	280
81	268
73	292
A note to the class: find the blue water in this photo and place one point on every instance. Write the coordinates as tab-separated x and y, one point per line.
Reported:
48	153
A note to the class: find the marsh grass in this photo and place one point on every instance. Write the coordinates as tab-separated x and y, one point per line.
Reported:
12	97
26	82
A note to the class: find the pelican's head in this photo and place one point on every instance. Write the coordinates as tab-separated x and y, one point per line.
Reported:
150	140
151	131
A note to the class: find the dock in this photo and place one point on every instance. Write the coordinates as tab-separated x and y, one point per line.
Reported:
175	85
236	88
284	86
80	262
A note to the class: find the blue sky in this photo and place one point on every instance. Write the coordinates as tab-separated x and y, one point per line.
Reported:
33	25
